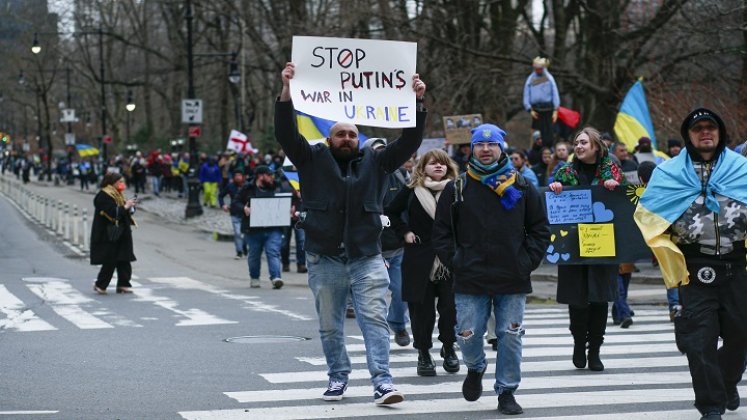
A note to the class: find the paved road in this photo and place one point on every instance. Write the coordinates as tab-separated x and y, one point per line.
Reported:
161	353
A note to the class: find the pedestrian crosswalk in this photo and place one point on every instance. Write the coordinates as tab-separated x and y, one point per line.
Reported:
645	377
72	307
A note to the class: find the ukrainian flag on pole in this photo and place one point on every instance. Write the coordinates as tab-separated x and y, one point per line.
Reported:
634	121
313	128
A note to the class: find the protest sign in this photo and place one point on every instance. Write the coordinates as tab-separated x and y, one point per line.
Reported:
458	128
362	81
270	211
592	225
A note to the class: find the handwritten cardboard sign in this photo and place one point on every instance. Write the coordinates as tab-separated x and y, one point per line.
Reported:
596	240
362	81
609	237
569	207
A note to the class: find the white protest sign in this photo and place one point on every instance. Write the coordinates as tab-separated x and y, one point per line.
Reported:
270	211
362	81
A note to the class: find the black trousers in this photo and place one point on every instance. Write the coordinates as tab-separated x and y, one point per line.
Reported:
544	125
707	313
124	274
438	296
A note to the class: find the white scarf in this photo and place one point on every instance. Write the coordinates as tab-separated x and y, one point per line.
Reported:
428	202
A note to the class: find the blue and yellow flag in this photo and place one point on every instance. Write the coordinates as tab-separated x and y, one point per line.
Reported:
313	128
85	150
293	180
634	120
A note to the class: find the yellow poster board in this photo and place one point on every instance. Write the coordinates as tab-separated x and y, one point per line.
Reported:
596	240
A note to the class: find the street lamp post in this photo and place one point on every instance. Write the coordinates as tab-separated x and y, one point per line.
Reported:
193	185
129	107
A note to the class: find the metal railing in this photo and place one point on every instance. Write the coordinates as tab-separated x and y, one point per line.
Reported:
60	219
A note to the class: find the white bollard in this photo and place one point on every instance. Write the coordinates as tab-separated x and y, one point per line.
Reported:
85	229
53	216
60	224
76	240
67	222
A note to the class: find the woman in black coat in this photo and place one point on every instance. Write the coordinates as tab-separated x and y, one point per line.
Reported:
112	208
424	279
587	289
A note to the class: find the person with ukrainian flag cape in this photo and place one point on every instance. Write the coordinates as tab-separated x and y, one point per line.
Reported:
693	215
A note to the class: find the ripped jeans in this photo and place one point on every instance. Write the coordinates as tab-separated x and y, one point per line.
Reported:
473	312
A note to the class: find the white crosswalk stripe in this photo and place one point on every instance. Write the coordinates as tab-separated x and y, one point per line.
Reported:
643	370
87	311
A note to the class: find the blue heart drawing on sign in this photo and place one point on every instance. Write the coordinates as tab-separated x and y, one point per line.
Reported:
550	249
553	258
602	214
565	256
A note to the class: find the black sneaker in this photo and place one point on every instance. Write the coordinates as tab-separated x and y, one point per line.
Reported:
626	323
402	338
387	394
334	391
493	344
350	313
507	403
732	399
472	386
711	415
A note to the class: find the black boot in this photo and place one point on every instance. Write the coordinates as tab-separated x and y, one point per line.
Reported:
426	367
579	328
597	328
451	361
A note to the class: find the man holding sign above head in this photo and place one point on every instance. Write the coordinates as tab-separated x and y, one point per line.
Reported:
342	189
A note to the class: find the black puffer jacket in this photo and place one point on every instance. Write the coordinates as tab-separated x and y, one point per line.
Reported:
496	248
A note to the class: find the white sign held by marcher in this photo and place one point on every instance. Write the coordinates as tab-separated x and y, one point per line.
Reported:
362	81
192	111
239	142
270	211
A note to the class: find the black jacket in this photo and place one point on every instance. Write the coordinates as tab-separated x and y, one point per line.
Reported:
102	250
497	248
342	209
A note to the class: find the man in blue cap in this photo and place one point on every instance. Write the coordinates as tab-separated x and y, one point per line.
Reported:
492	231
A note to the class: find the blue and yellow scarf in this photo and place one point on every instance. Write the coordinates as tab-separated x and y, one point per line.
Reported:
500	177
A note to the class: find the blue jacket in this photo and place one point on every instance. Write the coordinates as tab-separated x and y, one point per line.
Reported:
210	173
540	89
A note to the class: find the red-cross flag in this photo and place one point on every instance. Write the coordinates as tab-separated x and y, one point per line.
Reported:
240	143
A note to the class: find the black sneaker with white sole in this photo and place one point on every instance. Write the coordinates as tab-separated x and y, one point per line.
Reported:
387	394
335	390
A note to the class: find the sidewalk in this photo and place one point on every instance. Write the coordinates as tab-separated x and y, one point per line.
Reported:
647	286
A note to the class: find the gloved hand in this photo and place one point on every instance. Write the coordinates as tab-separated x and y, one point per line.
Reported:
554	116
534	114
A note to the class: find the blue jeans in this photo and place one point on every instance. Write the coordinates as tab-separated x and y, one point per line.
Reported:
673	297
268	239
300	241
156	182
238	237
397	316
472	317
331	278
620	309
